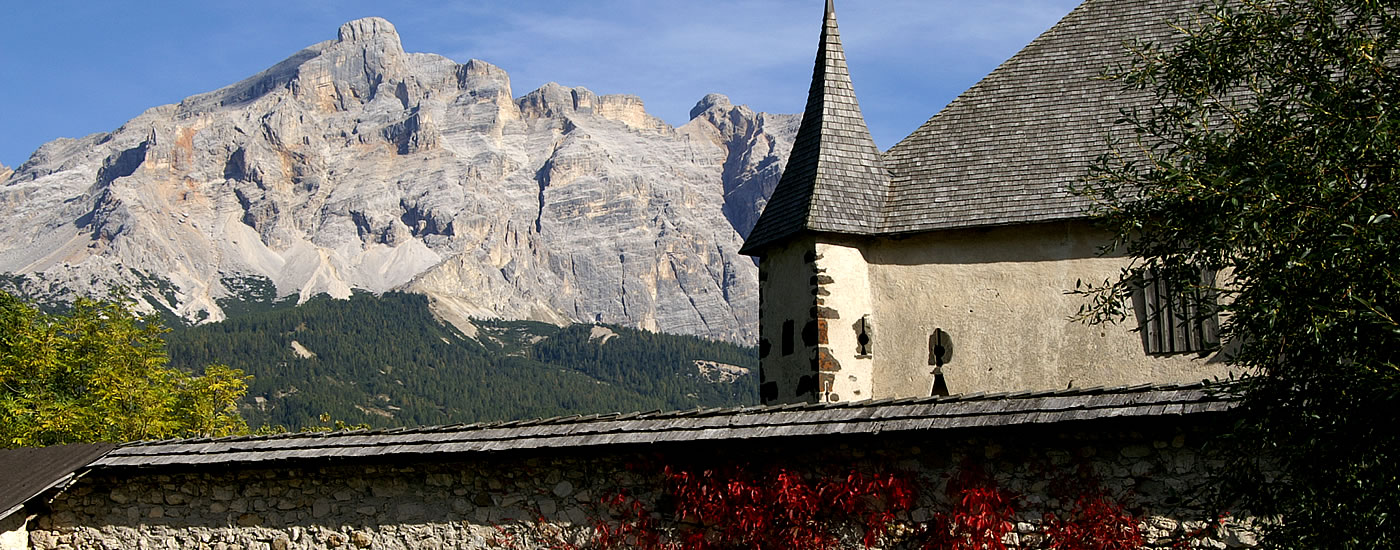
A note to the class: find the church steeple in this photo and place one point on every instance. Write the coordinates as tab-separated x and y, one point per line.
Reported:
835	179
815	342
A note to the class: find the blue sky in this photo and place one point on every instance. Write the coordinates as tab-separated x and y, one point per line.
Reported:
73	68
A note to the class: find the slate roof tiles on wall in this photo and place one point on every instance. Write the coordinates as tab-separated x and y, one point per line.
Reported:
28	472
844	419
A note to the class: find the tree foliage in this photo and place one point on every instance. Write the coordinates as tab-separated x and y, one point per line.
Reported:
99	373
1271	155
387	361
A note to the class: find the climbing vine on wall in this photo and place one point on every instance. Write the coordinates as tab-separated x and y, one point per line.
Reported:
714	509
979	517
1095	523
744	507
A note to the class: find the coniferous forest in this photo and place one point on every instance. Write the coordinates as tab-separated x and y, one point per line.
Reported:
386	361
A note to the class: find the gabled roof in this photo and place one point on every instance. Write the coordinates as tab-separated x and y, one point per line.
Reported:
1004	152
1008	149
715	425
835	179
27	472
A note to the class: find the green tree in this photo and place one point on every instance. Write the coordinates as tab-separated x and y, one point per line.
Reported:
1270	155
99	373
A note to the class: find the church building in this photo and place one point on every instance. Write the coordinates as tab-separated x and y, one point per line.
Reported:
945	265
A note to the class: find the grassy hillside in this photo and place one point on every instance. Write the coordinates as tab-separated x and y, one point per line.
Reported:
387	361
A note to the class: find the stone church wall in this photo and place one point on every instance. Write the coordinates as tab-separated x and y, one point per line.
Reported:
530	500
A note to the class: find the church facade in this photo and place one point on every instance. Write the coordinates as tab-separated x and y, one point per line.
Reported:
946	264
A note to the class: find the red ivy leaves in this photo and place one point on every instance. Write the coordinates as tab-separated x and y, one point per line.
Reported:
779	508
1096	523
748	508
981	515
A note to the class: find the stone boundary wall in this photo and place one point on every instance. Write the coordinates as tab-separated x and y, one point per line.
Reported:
528	500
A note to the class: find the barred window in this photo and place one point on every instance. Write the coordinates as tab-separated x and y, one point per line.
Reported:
1173	322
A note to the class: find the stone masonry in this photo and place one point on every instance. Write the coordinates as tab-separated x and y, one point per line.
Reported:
523	500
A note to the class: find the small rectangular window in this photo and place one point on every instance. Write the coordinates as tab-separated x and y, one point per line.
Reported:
1176	322
788	337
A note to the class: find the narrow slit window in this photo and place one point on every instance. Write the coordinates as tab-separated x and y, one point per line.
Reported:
864	337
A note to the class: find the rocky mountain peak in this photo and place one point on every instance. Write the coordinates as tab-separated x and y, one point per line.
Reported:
710	101
551	100
758	153
369	29
478	69
554	100
5	173
352	165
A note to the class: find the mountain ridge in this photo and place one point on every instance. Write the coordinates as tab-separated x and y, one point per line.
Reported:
355	165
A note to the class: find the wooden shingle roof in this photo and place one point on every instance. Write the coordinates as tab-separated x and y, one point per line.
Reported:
28	472
714	425
835	179
1008	149
1004	152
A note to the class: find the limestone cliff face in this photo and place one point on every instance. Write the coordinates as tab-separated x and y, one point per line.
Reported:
356	165
758	145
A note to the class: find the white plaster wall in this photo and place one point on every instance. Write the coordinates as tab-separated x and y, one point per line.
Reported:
1001	295
786	296
850	298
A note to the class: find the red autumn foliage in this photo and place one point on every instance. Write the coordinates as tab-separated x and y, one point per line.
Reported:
981	516
743	507
1096	523
778	508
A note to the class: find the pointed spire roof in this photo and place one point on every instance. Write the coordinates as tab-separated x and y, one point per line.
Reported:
835	179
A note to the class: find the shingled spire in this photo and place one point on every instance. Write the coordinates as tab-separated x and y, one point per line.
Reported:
835	180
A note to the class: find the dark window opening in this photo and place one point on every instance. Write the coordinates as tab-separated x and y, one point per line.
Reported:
940	386
940	352
864	337
788	344
940	348
1177	321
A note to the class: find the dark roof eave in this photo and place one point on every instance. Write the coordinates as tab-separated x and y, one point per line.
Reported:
26	473
988	224
757	248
